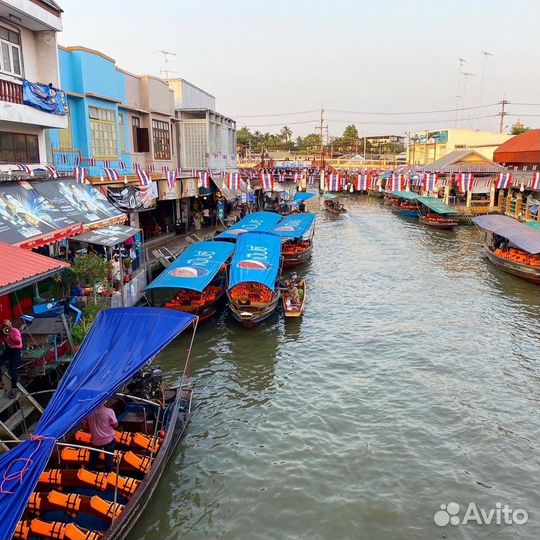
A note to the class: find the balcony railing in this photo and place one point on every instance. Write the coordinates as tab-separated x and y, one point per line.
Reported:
11	92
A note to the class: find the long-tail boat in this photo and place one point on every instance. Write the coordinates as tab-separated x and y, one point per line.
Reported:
437	214
403	203
253	292
511	246
49	490
196	281
256	222
297	232
333	205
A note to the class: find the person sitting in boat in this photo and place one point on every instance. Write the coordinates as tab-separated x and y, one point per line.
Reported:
302	207
292	291
101	424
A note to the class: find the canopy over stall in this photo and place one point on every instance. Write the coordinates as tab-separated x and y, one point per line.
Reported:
522	236
295	225
107	359
303	197
109	236
436	205
258	221
256	260
21	267
195	268
407	195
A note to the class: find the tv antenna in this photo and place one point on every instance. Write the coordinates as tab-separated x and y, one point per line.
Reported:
166	61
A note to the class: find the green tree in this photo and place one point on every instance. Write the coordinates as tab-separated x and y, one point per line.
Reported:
286	133
518	128
244	136
313	140
350	134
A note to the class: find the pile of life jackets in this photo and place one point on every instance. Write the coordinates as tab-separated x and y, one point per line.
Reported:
290	248
520	257
437	218
195	299
252	293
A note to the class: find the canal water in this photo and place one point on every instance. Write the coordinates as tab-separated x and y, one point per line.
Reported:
412	381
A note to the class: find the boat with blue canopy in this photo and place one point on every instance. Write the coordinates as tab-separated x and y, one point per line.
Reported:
511	246
303	196
333	204
50	486
436	213
297	232
196	281
256	222
403	202
253	291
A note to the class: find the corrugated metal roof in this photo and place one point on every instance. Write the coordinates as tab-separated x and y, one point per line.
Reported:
21	267
456	162
523	148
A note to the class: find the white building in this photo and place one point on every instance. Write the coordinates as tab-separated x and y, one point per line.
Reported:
28	47
206	139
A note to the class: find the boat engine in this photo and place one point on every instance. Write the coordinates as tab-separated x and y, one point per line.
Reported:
147	384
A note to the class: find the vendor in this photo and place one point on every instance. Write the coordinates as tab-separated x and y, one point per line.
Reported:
12	340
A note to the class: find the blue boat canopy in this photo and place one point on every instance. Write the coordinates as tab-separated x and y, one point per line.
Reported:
195	268
523	237
295	225
407	195
256	260
120	343
303	197
258	221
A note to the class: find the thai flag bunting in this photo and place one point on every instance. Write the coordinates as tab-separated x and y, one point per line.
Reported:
534	182
465	181
150	168
333	182
80	175
24	168
144	178
77	161
171	177
136	167
52	171
165	169
296	177
122	165
111	174
430	181
63	159
91	162
396	182
311	179
267	181
106	164
504	180
204	179
233	180
361	183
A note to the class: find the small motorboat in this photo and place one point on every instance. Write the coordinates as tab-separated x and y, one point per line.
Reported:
333	205
438	222
437	214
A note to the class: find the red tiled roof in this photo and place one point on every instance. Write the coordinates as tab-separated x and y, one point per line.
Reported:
523	148
23	267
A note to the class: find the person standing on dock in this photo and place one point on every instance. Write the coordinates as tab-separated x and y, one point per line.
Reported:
12	340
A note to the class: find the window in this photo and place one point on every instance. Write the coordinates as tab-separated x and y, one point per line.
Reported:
10	52
122	132
66	137
135	124
18	148
103	128
162	139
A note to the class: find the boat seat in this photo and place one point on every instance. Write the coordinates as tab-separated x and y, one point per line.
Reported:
126	438
82	455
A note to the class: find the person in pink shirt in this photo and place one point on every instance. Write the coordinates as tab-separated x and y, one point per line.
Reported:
101	424
12	340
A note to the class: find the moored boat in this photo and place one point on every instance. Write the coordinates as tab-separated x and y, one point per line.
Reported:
256	222
333	204
513	247
403	203
49	489
195	282
291	308
437	214
253	292
297	232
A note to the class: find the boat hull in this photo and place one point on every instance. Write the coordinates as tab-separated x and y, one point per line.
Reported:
334	210
294	313
248	316
444	225
203	312
376	193
296	259
523	271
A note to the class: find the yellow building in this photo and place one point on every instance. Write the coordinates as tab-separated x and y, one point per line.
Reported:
428	146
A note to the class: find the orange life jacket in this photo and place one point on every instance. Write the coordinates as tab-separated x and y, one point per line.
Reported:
22	530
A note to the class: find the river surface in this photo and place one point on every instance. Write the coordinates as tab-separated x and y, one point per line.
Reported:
412	380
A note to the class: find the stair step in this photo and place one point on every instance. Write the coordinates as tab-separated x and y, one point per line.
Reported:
5	401
16	419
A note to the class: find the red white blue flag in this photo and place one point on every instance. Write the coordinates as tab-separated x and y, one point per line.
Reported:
77	160
504	180
122	165
165	169
150	168
52	171
204	179
534	182
80	175
171	177
396	182
465	181
111	174
233	180
362	182
296	177
106	163
267	181
144	178
333	182
136	167
430	181
24	168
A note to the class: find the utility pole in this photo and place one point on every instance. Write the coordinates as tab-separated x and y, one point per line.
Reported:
322	138
502	114
466	76
166	54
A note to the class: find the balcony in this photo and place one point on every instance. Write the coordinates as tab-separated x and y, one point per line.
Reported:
11	92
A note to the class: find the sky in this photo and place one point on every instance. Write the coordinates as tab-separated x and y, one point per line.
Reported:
266	58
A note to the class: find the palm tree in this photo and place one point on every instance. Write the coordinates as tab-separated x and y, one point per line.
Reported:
286	133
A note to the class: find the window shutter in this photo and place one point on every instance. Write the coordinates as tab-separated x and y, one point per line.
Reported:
143	140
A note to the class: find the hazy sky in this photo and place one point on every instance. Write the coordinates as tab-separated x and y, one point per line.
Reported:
263	57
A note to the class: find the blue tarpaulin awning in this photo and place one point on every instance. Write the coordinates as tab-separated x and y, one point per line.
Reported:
522	236
258	221
120	343
295	225
303	197
195	267
256	260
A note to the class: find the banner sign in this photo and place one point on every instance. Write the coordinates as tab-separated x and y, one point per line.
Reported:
44	97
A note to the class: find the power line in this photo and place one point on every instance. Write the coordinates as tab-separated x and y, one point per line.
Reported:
415	112
280	124
420	121
269	115
526	104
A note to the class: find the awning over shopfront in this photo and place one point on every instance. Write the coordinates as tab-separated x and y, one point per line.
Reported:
21	267
522	236
37	213
107	236
229	194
